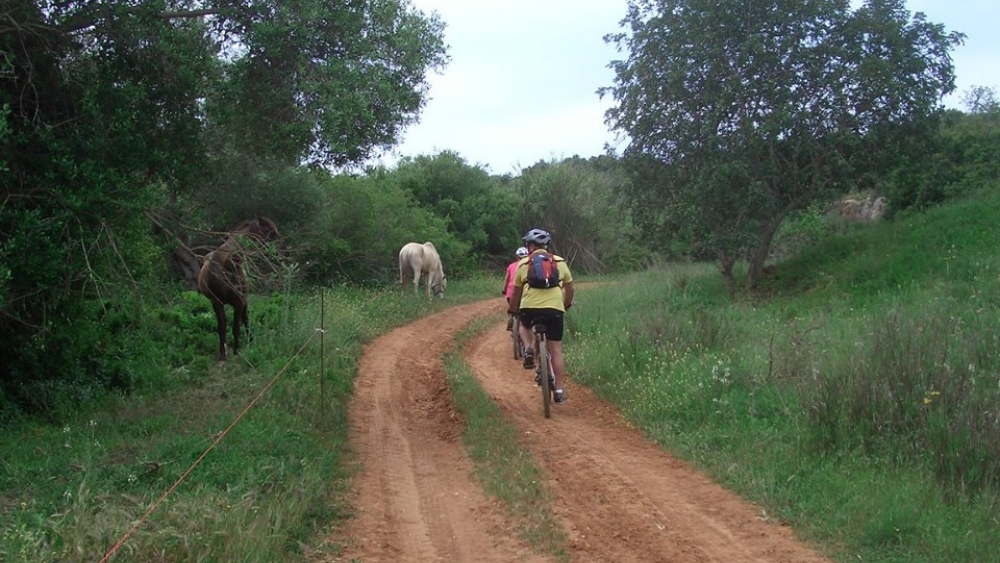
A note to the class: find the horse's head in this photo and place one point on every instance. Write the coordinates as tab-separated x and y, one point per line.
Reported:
259	229
262	227
439	286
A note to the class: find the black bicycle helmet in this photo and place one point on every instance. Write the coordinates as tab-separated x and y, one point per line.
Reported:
537	236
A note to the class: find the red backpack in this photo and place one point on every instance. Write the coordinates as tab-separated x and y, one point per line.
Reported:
543	270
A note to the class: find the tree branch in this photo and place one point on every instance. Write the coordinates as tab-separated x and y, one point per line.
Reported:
89	19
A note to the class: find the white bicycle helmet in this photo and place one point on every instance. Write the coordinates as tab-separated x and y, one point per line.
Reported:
537	236
521	252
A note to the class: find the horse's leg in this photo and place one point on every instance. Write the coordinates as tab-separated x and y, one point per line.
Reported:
416	281
220	322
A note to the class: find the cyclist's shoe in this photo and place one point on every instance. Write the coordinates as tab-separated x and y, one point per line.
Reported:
510	324
538	380
558	396
529	358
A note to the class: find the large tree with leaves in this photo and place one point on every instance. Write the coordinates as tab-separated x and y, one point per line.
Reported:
581	202
109	108
306	79
756	109
477	210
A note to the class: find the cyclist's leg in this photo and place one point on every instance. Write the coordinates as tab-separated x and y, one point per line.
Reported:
558	362
555	335
527	338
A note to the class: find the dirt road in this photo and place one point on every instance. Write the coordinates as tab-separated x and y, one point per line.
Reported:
619	497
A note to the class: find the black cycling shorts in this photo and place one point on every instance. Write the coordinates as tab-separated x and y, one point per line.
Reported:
553	319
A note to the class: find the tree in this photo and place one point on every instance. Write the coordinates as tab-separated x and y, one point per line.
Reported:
110	108
477	210
309	79
757	109
580	202
981	100
962	157
322	81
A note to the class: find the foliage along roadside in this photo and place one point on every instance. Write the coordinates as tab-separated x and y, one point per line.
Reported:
855	399
68	491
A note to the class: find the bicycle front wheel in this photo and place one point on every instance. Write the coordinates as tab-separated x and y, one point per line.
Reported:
542	359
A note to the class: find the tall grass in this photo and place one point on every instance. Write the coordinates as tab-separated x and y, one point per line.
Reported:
69	491
855	396
858	399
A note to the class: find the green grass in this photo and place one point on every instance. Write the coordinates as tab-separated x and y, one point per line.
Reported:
270	488
855	398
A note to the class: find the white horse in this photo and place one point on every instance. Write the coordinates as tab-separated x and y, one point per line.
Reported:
421	259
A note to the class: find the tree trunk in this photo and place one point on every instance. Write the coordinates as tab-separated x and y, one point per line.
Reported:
761	252
726	262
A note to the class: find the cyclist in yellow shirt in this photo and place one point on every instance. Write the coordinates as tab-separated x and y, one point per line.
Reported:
550	304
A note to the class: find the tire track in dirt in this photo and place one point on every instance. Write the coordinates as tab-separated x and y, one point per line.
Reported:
619	497
415	498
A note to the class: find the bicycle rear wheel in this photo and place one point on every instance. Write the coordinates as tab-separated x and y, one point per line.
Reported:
515	337
542	359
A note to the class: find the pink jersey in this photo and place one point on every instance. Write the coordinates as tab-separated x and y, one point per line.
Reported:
511	269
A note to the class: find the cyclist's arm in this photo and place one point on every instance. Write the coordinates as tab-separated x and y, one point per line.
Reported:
515	300
567	295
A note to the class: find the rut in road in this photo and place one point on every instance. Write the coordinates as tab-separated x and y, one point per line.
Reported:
619	497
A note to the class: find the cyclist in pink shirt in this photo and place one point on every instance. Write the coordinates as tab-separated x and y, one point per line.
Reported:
508	280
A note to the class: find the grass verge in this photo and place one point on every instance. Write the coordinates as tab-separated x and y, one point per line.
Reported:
271	488
865	415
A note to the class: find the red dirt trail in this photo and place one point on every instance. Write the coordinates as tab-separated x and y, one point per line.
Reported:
619	497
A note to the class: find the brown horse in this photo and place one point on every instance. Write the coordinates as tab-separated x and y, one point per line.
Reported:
223	280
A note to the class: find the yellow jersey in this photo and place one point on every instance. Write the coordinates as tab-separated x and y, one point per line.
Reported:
534	298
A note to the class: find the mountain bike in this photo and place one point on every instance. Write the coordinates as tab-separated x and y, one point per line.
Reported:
543	366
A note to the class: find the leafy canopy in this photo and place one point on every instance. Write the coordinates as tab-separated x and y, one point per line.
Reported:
111	109
756	109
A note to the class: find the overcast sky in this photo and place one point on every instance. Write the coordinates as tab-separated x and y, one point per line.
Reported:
521	85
